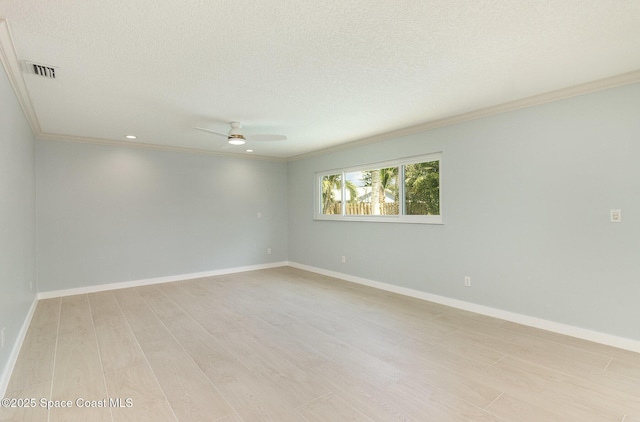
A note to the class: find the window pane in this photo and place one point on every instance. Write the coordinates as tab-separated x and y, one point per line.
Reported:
332	194
422	188
372	192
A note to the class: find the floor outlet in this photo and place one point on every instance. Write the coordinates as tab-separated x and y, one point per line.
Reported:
467	281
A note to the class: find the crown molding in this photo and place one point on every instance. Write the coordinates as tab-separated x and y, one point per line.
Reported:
140	145
547	97
11	65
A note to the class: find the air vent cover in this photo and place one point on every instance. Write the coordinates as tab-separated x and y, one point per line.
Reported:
43	70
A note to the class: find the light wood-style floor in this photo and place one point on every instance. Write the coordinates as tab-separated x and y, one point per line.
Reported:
289	345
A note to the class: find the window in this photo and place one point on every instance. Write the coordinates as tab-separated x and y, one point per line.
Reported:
406	190
374	192
331	194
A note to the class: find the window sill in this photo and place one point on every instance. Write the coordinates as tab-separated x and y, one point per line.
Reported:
422	219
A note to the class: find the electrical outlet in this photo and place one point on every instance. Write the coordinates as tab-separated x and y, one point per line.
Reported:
2	338
31	286
467	281
268	251
344	259
259	215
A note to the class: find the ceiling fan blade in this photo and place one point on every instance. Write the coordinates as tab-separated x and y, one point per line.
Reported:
265	137
211	131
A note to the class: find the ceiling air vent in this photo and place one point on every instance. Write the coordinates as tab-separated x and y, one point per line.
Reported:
43	70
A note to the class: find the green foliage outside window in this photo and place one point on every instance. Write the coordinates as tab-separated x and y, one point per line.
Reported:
381	192
422	188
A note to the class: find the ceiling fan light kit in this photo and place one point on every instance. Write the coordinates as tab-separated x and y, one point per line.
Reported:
235	136
236	140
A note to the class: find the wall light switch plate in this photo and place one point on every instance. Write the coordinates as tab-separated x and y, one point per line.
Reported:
616	216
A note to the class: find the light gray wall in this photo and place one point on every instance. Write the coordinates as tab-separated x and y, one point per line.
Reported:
107	214
526	198
17	218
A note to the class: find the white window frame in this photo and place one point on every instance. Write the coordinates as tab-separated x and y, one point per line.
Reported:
401	218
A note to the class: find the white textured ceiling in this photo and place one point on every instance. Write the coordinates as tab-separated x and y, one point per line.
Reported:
322	72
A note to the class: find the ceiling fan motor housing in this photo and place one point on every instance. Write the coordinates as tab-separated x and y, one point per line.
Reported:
235	136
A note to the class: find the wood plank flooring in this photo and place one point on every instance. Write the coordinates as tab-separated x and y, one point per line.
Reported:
289	345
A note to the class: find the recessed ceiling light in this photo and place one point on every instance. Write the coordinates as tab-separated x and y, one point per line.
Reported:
249	150
130	136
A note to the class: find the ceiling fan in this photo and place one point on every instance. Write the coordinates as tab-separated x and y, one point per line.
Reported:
236	137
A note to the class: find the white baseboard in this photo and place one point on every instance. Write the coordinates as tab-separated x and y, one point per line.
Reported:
556	327
156	280
13	357
15	351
